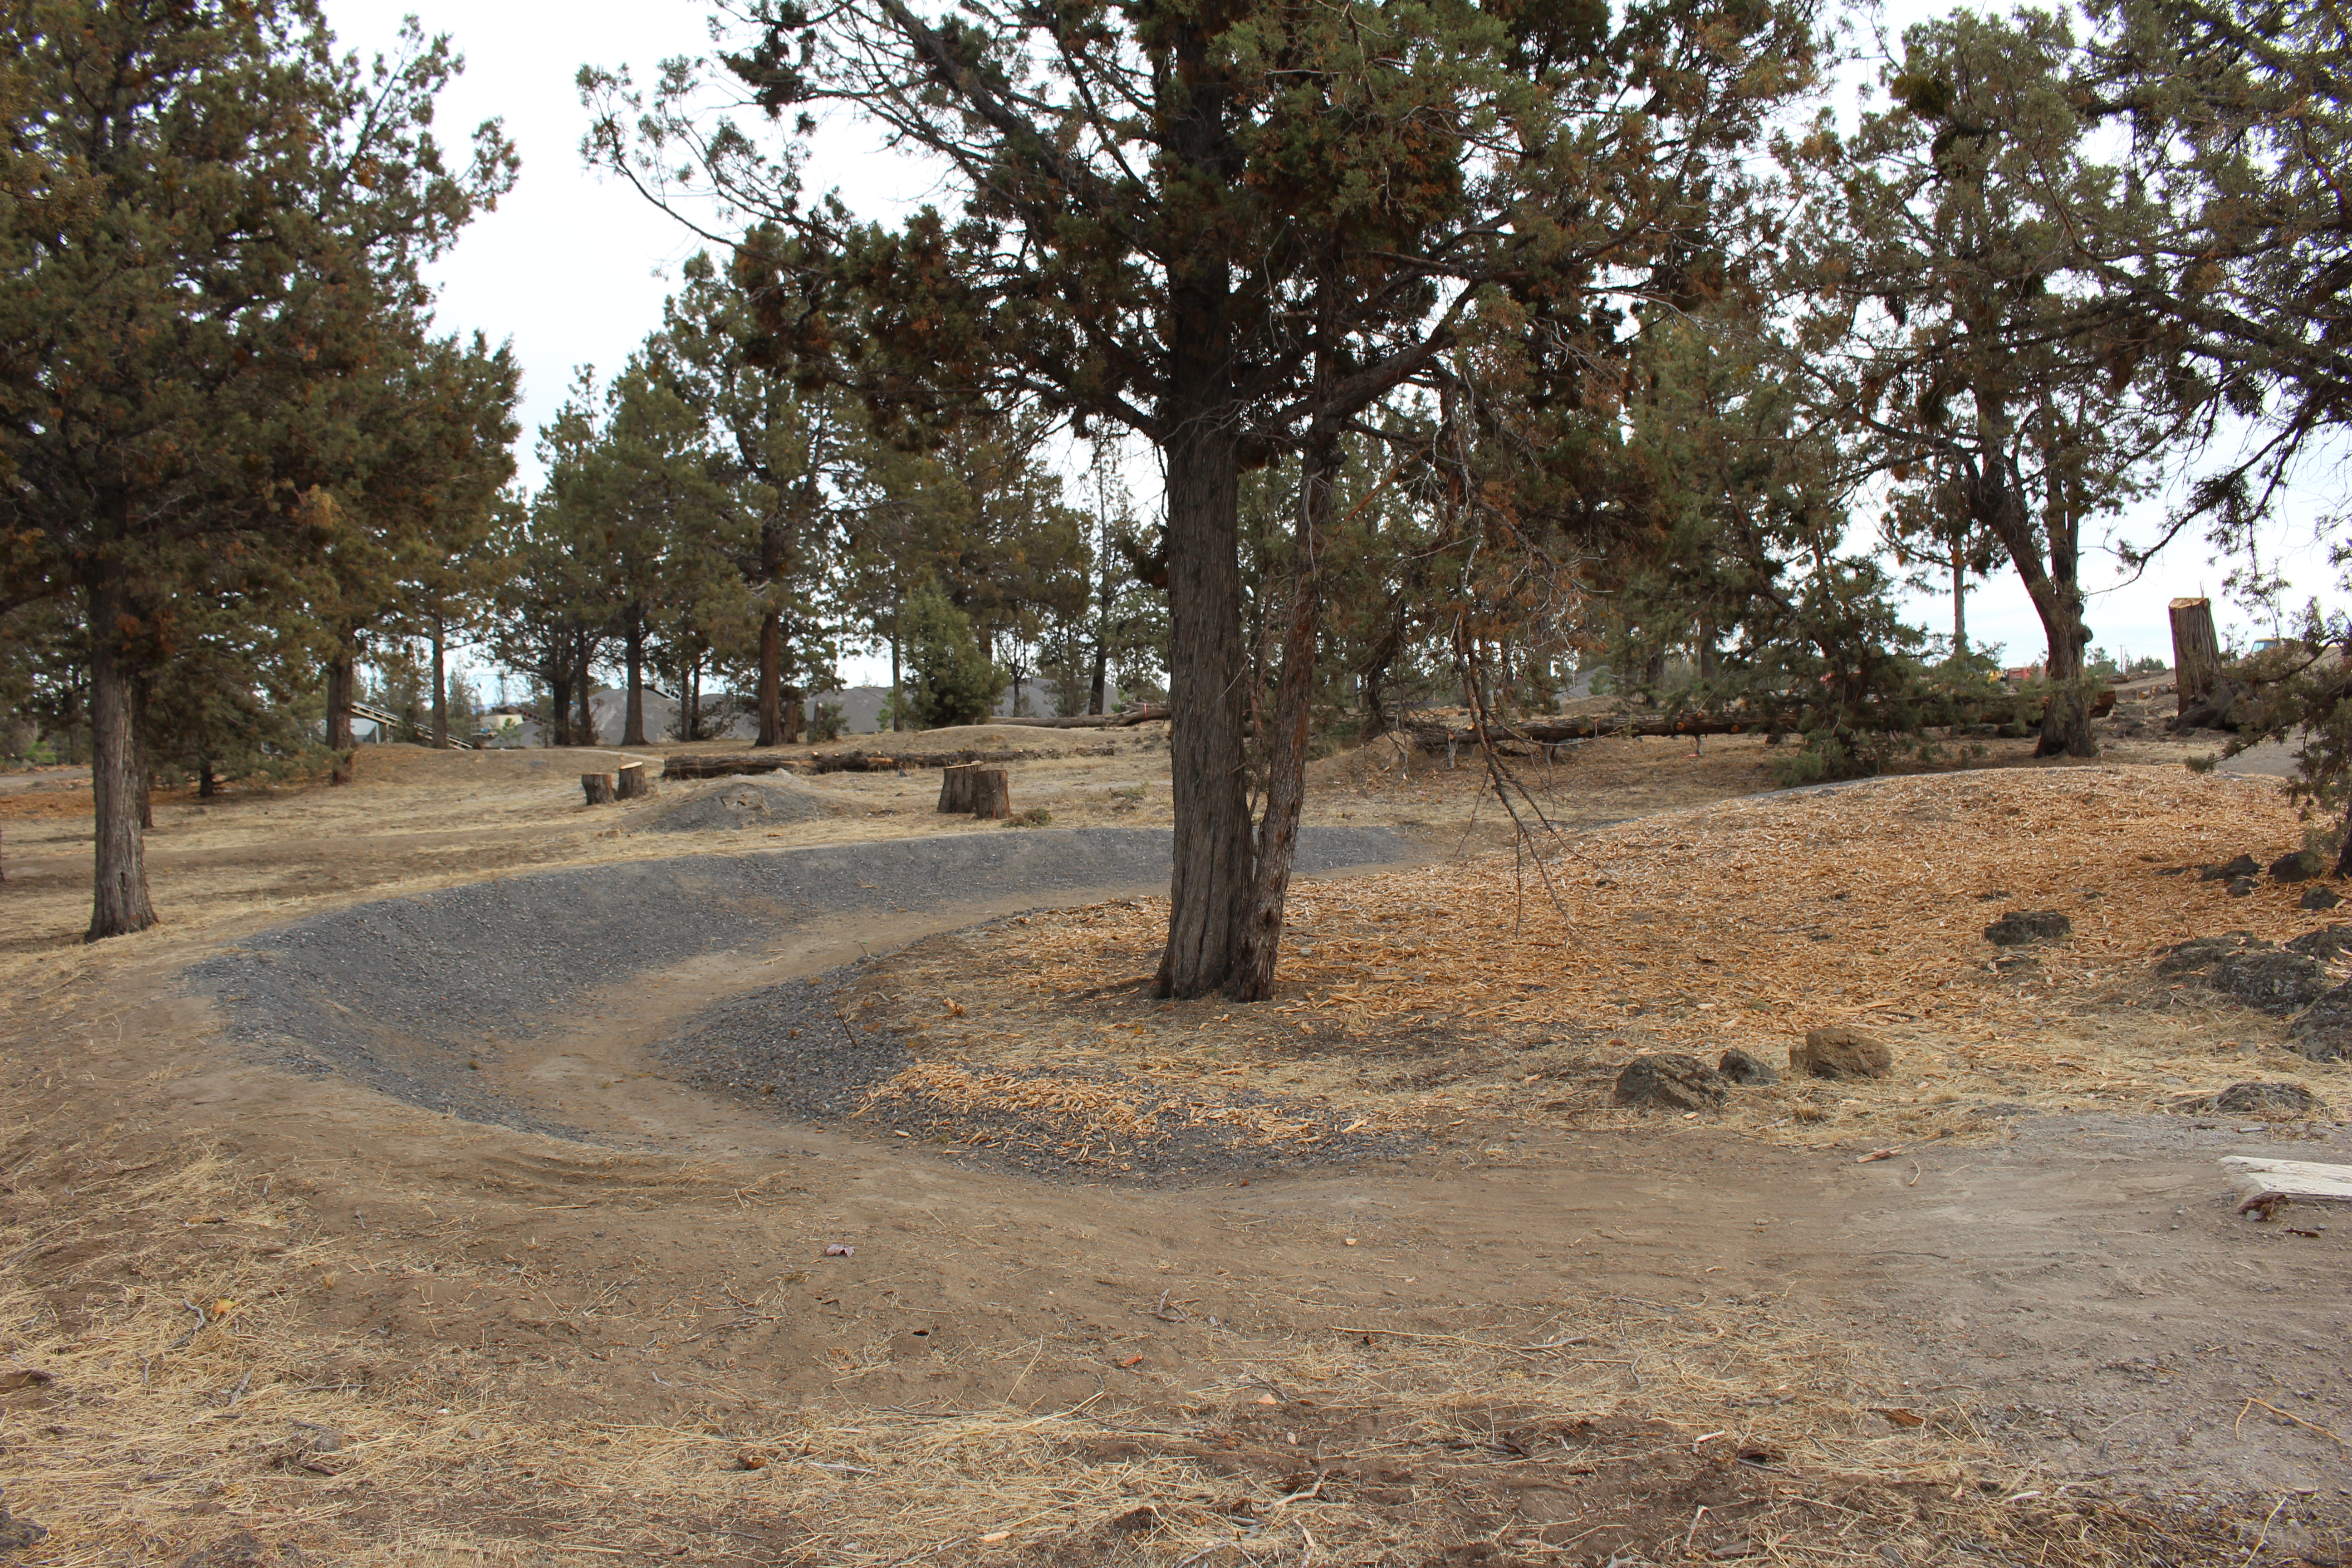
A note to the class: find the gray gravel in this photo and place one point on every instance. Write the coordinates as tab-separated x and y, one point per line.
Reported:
400	994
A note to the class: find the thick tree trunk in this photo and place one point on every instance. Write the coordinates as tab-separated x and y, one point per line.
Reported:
584	732
1995	501
1959	603
600	788
559	705
1286	780
992	794
1209	889
440	685
772	679
342	682
207	786
631	781
633	728
1098	688
121	904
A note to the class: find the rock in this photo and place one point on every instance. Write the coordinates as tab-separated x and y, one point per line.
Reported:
2242	886
1841	1052
2323	1031
1671	1081
2326	945
17	1534
2244	866
2250	970
2268	1100
2300	867
1740	1068
2321	898
2226	708
2018	927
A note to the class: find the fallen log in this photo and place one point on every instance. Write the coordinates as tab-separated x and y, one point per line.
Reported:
1143	713
710	766
1560	732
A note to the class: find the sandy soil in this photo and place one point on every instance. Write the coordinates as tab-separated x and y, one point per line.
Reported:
255	1316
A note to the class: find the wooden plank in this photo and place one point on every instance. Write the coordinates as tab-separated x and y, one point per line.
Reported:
2263	1183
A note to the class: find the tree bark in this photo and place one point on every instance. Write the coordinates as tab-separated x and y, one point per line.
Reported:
583	732
120	904
772	679
1286	780
897	686
1098	688
992	794
440	685
956	788
1209	889
2196	651
598	787
559	703
633	728
631	781
1996	501
342	679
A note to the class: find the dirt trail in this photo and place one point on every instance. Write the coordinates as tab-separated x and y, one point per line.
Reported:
1457	1342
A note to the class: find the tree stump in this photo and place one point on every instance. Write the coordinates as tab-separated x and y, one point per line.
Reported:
598	788
956	788
631	782
2196	651
992	794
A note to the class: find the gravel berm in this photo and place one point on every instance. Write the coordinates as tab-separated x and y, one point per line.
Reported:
401	994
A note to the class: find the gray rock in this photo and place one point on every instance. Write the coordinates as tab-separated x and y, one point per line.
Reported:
2300	867
1841	1052
2243	887
2268	1100
2323	1031
1739	1067
2018	927
2248	970
2326	945
2321	897
2201	954
1670	1082
2244	866
17	1534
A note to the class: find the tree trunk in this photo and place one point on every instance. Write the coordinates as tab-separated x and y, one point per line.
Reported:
1959	601
121	904
772	679
795	704
558	704
1209	889
2196	651
1996	501
633	728
690	698
440	684
956	788
598	787
1286	766
898	685
207	786
1098	689
342	679
631	781
583	732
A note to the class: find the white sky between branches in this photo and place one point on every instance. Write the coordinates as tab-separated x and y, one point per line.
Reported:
573	267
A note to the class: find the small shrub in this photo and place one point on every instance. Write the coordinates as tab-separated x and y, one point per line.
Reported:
1035	816
829	722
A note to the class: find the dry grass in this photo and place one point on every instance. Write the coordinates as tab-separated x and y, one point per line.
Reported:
1742	924
138	1429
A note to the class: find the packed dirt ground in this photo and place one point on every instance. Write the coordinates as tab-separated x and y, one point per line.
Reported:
1431	1298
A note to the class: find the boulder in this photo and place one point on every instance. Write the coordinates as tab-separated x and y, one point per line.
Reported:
1841	1052
2268	1100
2321	897
2300	867
2323	1031
2228	870
2018	927
1739	1067
2248	970
1670	1082
2326	945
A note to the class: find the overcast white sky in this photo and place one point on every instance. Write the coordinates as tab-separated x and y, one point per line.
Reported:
574	268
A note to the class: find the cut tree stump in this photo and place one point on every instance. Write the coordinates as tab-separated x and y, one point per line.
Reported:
632	782
598	788
2196	651
992	794
956	788
2266	1183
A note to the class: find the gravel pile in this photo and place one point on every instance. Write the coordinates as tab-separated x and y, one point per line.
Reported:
402	994
729	805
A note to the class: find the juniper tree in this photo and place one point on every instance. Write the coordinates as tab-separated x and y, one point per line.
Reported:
203	215
1232	227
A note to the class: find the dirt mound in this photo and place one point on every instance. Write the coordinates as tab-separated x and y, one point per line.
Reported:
731	804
